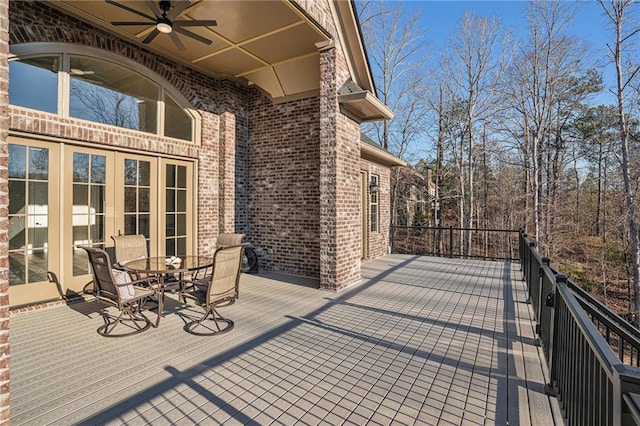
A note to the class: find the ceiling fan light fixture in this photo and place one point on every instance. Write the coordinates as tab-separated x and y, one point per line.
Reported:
164	27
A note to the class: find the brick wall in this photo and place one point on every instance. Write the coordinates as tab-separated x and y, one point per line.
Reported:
4	218
284	184
378	242
348	198
340	240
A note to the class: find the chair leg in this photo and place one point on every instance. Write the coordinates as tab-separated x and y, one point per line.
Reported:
160	306
227	325
140	322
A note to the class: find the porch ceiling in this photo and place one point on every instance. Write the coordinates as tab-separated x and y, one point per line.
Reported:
272	44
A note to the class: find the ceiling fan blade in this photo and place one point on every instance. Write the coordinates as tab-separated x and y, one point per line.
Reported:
176	41
192	35
153	34
152	5
128	9
133	23
197	23
178	9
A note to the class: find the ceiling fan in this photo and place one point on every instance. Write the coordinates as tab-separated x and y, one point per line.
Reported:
164	21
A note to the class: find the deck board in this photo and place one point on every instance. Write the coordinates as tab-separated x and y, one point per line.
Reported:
419	340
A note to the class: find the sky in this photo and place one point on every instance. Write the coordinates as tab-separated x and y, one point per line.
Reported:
439	19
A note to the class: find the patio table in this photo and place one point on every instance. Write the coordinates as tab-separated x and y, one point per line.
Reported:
167	266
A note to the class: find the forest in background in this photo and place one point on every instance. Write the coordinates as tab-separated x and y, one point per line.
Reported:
513	133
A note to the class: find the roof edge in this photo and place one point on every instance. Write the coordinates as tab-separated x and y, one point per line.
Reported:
353	43
379	155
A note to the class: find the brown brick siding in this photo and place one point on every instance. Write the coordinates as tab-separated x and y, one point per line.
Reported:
340	241
283	184
4	218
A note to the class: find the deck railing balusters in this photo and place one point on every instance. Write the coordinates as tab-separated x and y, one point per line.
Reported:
592	353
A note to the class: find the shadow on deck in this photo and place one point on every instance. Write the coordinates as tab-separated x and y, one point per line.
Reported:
420	340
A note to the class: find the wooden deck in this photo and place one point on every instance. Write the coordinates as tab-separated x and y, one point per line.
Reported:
420	341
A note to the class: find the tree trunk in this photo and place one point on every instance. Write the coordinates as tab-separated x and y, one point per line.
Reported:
624	145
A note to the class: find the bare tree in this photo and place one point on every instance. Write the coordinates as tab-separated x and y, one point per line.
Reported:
618	12
539	77
473	66
104	105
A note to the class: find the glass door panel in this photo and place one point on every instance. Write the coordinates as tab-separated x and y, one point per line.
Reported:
88	211
33	228
138	197
178	202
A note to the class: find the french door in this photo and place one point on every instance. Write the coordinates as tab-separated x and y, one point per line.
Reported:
81	195
33	229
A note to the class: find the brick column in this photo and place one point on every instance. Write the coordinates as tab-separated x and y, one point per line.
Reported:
208	198
339	183
4	218
328	112
227	167
234	160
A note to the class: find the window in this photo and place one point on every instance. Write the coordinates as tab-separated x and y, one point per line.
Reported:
373	203
103	91
110	94
137	197
34	83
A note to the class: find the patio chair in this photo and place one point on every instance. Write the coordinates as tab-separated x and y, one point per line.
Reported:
226	239
115	288
222	288
129	247
134	247
201	277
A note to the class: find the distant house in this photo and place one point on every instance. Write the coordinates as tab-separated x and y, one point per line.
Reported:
415	197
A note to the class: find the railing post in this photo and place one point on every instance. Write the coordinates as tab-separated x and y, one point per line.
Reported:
530	266
550	388
451	241
524	257
536	295
521	236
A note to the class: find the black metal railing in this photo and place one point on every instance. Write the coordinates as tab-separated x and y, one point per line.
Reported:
591	352
488	244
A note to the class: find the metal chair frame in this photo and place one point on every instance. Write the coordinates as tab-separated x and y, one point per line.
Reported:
222	288
106	291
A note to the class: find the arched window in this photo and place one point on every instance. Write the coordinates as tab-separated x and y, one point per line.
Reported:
97	86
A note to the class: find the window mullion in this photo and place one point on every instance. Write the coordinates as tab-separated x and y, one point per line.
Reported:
161	110
63	87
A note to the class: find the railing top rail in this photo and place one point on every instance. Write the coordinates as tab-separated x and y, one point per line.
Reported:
457	228
614	320
606	319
